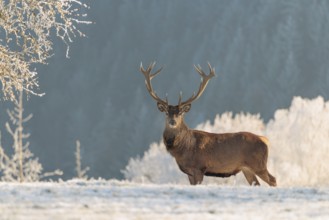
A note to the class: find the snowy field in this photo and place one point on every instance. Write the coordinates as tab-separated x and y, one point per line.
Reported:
125	200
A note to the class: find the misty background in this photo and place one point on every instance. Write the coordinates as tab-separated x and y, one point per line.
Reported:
265	52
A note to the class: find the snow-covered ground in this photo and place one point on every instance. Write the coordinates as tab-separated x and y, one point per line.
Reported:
100	199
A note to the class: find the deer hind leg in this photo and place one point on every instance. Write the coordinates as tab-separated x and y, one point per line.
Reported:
267	177
251	177
272	180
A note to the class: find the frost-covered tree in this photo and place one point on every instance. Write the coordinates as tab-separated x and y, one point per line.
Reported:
21	166
81	173
26	27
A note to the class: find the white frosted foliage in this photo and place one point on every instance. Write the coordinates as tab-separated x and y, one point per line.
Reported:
26	29
156	166
229	123
299	143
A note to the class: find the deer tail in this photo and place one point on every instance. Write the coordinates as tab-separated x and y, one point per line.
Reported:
264	140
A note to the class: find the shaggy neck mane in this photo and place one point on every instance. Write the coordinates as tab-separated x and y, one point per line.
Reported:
177	138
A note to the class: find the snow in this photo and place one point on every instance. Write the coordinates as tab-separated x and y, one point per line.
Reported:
113	199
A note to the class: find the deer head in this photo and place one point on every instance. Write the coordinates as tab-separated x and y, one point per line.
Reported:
175	113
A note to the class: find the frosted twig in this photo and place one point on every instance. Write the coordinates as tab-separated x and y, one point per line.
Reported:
81	173
26	39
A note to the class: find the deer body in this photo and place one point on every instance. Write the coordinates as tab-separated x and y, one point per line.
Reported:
200	153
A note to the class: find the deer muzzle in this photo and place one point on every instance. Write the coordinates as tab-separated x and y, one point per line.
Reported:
172	122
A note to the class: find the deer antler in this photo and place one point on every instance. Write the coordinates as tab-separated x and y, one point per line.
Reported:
148	77
204	81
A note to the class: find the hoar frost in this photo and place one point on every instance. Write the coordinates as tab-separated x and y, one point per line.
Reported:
26	28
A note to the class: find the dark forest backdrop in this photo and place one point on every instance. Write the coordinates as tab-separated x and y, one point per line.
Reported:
264	51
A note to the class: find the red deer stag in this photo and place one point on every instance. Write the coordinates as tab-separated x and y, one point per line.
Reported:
200	153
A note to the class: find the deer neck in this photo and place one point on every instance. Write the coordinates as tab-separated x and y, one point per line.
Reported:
174	136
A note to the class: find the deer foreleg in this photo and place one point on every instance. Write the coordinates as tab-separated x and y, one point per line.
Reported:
196	177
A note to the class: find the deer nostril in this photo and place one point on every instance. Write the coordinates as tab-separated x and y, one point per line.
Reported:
172	122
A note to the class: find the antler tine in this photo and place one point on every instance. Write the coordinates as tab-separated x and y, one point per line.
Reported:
148	77
212	70
141	68
204	81
180	98
149	69
151	66
199	70
156	73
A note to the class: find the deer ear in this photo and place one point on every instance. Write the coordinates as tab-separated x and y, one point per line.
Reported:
161	107
185	108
